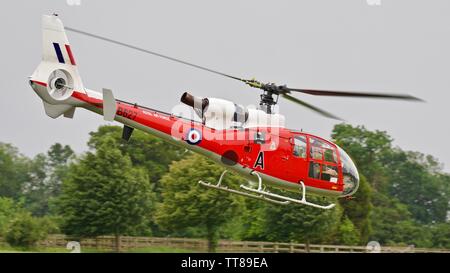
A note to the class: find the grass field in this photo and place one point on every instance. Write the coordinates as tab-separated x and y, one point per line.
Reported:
7	249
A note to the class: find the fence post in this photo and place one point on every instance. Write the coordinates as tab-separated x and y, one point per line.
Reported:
261	247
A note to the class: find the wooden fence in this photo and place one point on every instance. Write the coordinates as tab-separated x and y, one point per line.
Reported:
201	245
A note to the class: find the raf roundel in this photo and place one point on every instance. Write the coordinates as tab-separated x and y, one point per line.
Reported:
194	137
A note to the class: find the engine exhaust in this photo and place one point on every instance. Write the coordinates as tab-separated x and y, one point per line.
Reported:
195	102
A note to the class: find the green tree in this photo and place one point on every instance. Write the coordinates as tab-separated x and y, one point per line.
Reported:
393	223
59	155
144	150
347	233
13	171
46	173
58	158
367	149
186	204
358	209
407	190
441	235
413	182
34	190
253	220
104	194
302	224
26	230
8	210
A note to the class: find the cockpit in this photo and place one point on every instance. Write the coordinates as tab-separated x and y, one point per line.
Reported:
323	164
350	173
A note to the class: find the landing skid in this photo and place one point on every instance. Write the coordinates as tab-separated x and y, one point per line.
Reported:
261	193
219	186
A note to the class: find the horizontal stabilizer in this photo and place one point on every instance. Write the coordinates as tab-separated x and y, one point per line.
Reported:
55	111
109	105
70	113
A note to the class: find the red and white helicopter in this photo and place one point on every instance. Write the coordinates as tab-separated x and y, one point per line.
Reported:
251	142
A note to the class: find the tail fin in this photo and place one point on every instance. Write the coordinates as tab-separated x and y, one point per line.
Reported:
58	71
55	46
57	53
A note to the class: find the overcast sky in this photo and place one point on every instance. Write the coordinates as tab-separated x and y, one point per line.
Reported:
398	46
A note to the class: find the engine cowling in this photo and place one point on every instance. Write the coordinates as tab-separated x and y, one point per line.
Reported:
216	113
223	114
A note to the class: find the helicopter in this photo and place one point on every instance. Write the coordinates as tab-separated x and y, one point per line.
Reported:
253	143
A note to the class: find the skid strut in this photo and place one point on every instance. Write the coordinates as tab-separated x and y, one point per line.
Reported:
219	186
261	194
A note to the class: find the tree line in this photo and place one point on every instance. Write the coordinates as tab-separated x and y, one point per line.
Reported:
146	187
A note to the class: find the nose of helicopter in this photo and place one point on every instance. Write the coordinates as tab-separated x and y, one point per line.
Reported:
350	173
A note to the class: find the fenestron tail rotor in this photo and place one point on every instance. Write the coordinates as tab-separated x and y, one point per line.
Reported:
267	100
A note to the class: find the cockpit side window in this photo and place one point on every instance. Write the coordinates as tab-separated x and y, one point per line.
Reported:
323	160
314	170
299	146
330	173
321	150
330	155
316	153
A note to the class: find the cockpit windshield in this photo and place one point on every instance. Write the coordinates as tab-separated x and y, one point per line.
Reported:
350	173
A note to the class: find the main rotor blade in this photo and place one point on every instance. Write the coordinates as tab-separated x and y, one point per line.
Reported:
354	94
311	107
279	90
152	53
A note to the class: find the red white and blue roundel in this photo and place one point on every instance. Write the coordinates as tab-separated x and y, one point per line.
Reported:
194	137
